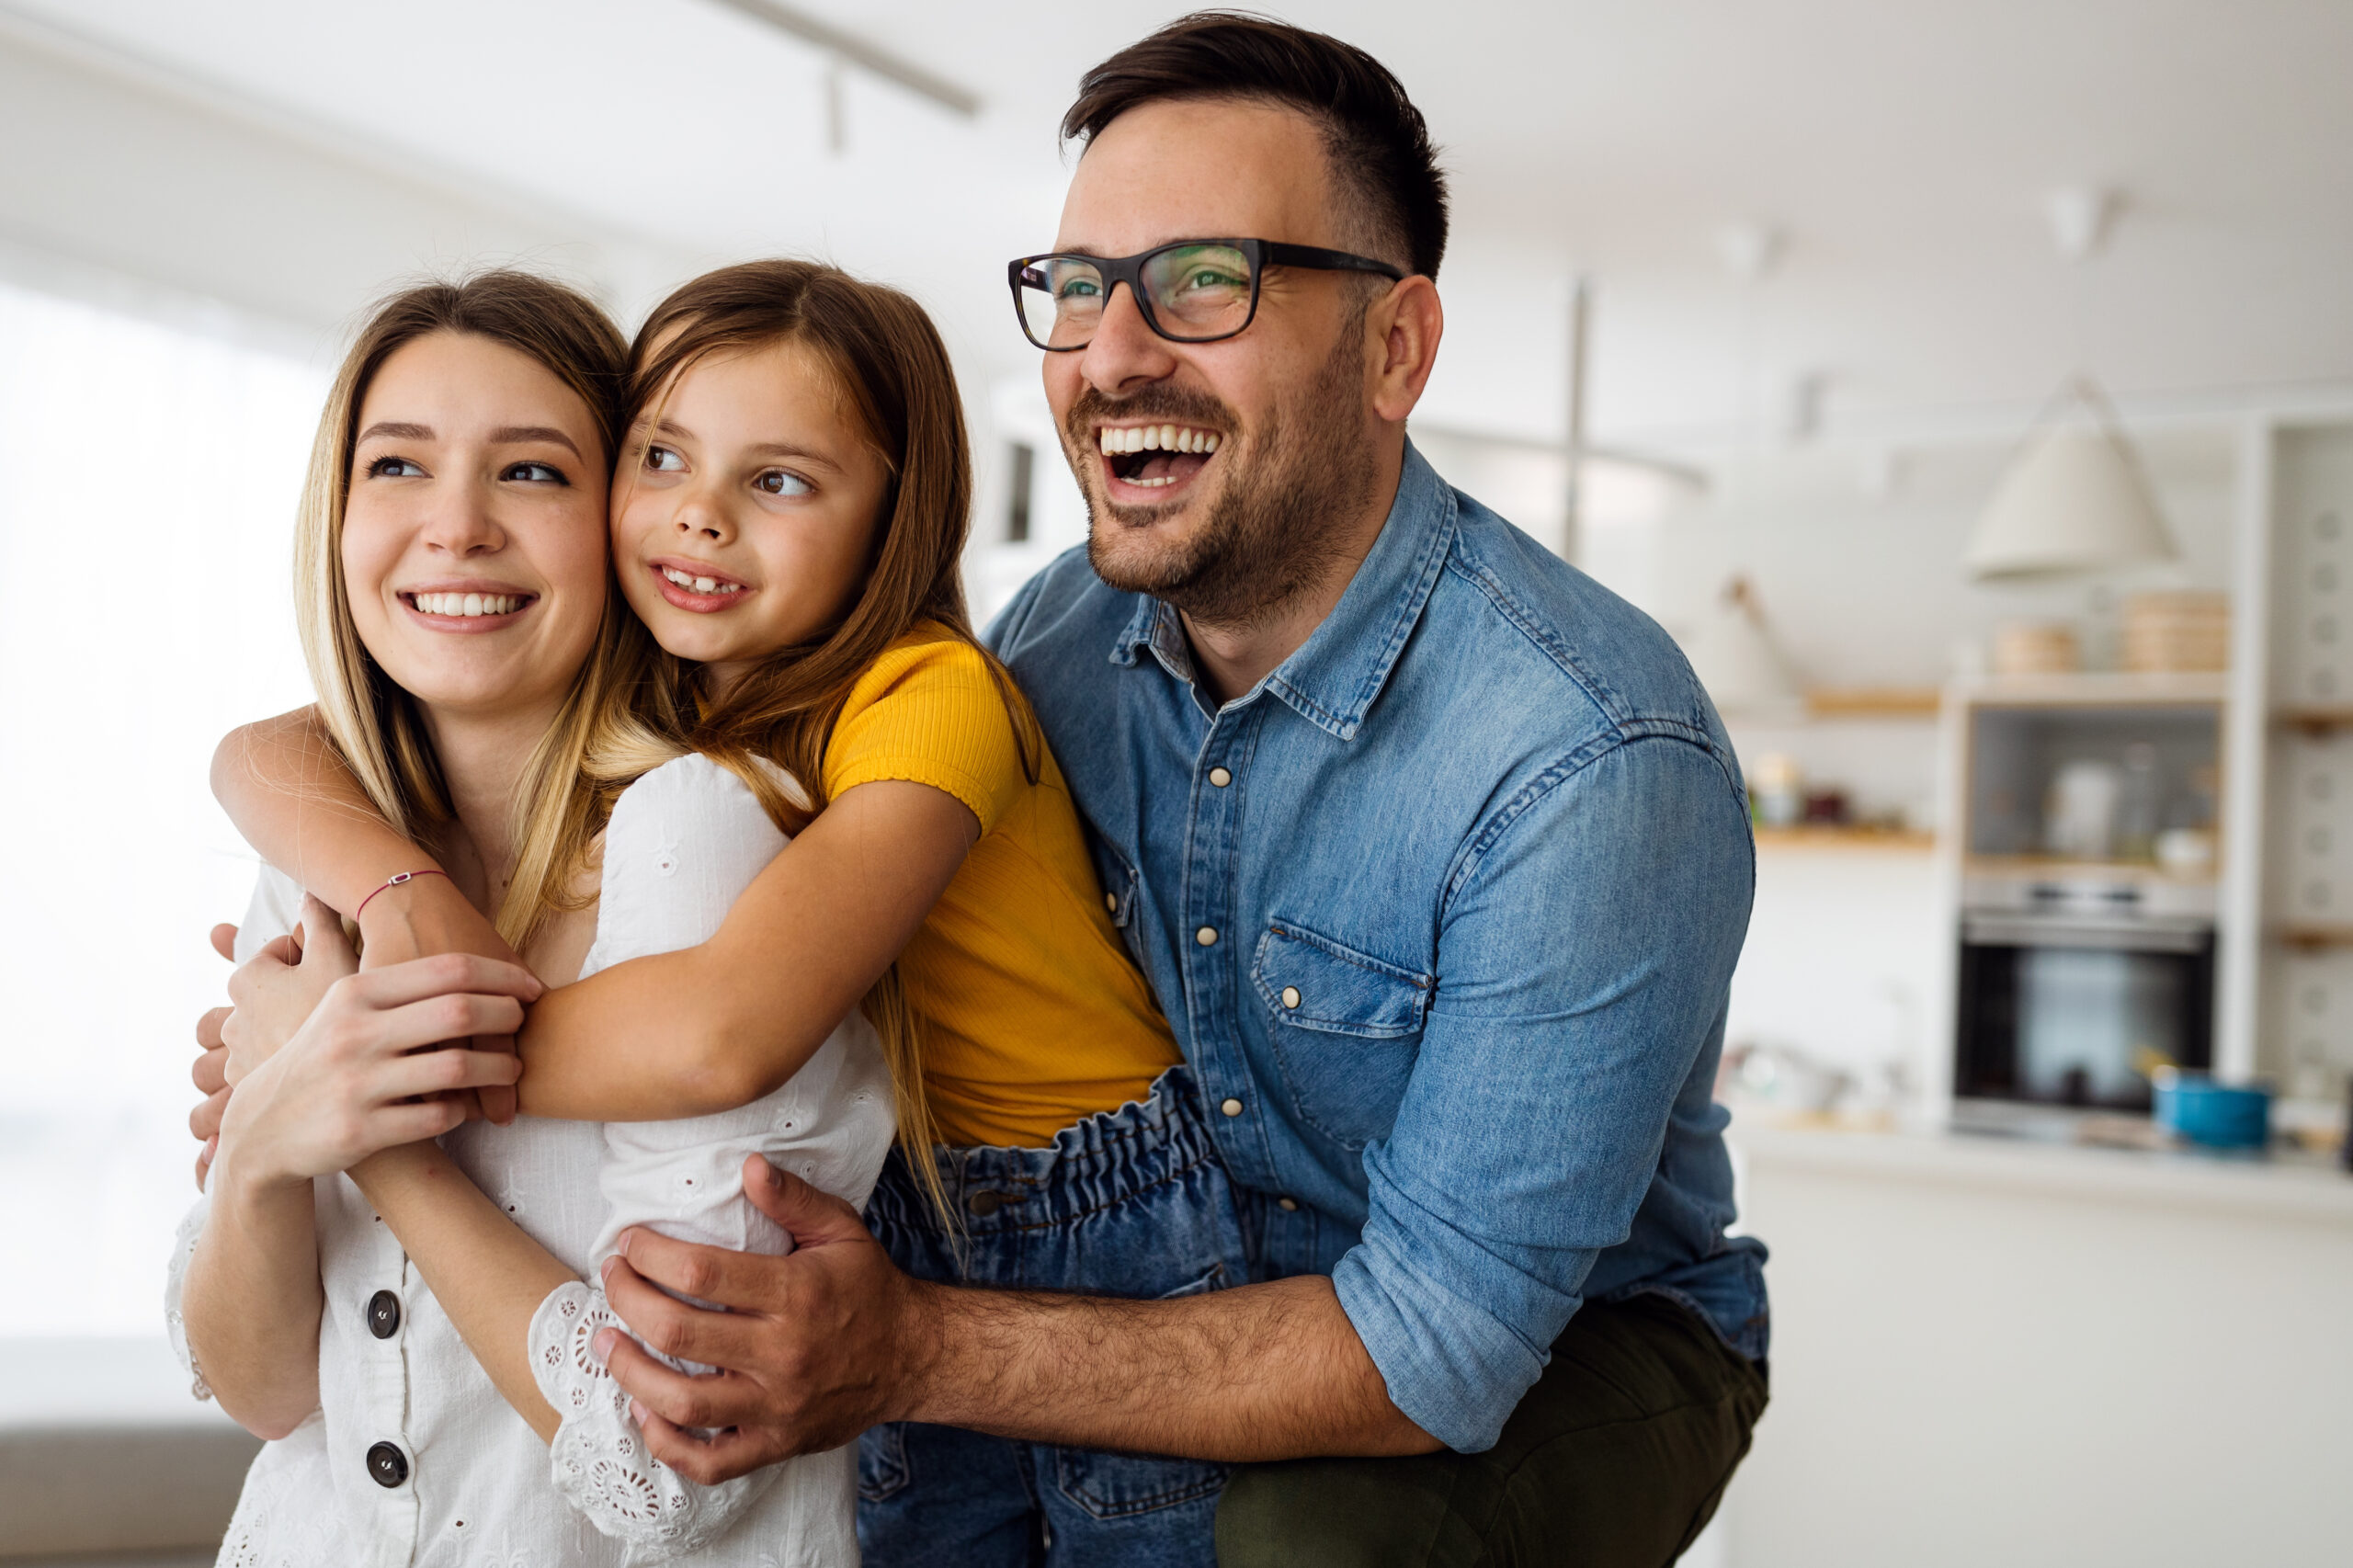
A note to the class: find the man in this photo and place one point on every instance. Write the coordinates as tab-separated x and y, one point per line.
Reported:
1436	855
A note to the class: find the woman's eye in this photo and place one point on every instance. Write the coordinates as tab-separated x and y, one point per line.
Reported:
778	482
395	468
535	473
662	459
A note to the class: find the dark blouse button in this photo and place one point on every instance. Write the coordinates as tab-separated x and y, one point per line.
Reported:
387	1465
384	1315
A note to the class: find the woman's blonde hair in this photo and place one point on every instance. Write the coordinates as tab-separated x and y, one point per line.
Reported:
377	726
894	376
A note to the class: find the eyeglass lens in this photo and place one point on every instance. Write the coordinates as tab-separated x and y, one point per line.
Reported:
1195	292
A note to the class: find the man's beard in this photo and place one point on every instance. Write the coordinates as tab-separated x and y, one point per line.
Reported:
1267	534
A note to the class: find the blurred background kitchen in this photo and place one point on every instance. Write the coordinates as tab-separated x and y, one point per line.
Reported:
1967	383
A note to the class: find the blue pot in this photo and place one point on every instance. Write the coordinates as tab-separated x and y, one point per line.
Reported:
2220	1116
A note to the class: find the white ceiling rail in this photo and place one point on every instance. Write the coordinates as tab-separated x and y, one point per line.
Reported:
867	55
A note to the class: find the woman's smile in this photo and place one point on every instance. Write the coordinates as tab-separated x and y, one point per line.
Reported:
470	605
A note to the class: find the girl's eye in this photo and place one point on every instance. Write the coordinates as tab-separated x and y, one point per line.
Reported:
395	468
779	482
662	459
535	473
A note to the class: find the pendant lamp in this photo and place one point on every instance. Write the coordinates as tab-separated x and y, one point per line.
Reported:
1738	660
2074	499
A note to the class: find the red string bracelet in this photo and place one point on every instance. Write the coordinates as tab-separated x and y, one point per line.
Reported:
393	882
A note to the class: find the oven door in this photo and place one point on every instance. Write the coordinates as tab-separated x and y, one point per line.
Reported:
2069	1010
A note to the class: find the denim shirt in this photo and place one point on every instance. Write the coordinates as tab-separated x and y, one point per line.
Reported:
1444	911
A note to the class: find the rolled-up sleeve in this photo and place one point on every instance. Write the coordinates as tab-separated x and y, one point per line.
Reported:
1586	946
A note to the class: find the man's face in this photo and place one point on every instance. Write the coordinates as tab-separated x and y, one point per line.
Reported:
1229	532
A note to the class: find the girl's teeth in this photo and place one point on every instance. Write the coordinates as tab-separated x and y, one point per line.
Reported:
468	606
700	584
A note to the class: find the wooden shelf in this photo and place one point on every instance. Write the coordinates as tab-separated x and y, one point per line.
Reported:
2054	868
2314	720
2104	688
2313	938
1874	702
1843	835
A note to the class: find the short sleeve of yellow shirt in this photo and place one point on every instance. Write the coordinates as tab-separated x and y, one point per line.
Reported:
1033	1015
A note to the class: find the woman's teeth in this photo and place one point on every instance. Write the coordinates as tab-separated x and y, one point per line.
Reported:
468	604
1114	439
701	585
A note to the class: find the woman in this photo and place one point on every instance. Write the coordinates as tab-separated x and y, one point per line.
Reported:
470	654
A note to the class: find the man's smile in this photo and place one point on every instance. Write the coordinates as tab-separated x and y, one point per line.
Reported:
1144	462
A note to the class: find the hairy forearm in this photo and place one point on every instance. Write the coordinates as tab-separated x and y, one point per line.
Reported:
1259	1372
291	796
483	1270
252	1301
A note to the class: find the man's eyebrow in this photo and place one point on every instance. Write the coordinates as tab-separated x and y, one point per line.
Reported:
393	431
511	434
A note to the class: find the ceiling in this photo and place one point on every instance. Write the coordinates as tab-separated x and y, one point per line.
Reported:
1902	147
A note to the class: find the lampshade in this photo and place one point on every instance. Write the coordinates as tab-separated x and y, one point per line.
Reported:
1736	658
2075	499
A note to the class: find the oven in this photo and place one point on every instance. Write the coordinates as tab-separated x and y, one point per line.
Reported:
2069	995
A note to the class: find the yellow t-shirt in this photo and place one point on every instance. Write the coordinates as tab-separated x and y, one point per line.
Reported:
1033	1017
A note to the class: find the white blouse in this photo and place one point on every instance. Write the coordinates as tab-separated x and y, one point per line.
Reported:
413	1459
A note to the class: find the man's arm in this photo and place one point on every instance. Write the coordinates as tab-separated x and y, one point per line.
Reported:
824	1342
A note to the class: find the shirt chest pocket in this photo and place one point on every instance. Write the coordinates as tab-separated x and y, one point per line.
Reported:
1347	1028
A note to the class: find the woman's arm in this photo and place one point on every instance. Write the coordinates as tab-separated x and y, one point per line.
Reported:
487	1274
342	1087
711	1028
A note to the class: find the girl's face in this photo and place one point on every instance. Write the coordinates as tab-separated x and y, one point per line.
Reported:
473	538
748	517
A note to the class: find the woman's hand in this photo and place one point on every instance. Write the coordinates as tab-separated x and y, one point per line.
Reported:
273	992
362	1073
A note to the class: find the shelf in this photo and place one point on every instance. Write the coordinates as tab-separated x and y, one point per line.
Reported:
2054	868
2106	688
1843	835
2314	720
2313	938
1874	702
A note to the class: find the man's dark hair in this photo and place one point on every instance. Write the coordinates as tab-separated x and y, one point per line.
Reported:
1379	144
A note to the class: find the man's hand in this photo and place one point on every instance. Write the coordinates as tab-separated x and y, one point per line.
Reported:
814	1343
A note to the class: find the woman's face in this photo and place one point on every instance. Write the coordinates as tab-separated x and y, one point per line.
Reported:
473	538
747	510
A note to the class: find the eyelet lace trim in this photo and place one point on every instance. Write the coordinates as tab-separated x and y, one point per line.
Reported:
600	1460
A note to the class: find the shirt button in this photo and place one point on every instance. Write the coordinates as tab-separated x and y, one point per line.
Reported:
1111	901
984	1203
1206	935
1220	778
384	1315
1288	1205
387	1466
1291	995
1232	1107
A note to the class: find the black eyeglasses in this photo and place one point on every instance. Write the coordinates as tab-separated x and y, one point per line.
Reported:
1191	291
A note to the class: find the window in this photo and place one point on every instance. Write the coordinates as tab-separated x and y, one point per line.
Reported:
1019	474
148	479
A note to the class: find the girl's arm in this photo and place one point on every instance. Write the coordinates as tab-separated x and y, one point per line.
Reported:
289	794
711	1028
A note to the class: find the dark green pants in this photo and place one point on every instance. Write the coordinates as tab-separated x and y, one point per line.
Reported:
1616	1458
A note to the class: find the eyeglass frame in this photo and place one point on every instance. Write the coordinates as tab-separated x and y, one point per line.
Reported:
1129	269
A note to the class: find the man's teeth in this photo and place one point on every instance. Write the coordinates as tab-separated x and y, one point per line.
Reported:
1114	439
468	604
700	584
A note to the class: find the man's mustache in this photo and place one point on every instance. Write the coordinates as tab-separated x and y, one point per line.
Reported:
1173	405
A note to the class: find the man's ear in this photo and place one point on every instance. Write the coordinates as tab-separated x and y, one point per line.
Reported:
1407	322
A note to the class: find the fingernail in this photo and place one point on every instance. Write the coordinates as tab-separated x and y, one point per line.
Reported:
605	1271
637	1413
621	1243
604	1342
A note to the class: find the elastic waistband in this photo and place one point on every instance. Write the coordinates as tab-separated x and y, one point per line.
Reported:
1105	1160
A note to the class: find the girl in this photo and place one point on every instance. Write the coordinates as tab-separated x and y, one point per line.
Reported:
938	866
469	653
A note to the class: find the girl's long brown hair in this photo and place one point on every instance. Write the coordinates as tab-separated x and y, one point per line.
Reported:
893	374
375	725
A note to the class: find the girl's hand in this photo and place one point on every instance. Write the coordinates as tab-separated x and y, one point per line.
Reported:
362	1074
427	916
276	990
